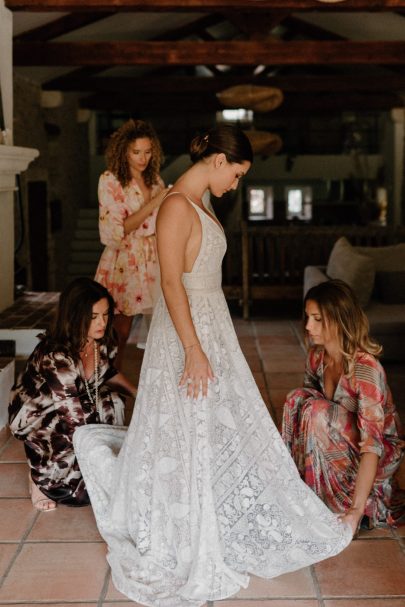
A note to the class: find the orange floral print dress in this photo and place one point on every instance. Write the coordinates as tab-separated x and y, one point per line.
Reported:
128	266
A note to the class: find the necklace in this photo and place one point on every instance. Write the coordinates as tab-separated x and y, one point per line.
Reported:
93	397
86	349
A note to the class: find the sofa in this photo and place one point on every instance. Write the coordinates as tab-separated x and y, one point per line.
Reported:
377	276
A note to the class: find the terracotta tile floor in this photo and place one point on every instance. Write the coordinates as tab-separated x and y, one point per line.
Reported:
58	558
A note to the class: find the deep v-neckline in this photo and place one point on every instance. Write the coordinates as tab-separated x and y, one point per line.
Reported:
323	379
210	216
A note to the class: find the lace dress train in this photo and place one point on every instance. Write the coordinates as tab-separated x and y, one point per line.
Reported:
198	494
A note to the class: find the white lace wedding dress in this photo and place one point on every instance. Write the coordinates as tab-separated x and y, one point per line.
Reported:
197	495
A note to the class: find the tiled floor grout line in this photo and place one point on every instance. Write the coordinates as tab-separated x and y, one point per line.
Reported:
316	586
104	589
266	383
298	335
36	542
3	448
346	597
20	546
49	602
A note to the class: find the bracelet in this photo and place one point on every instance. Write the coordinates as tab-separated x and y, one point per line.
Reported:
191	345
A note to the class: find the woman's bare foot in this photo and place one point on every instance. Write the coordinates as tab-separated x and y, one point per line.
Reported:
39	500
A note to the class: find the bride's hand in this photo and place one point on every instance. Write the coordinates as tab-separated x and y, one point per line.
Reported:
197	372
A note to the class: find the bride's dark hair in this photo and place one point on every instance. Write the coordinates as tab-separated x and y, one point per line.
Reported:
227	139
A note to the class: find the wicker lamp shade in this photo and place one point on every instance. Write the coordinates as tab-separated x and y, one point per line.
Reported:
257	98
264	143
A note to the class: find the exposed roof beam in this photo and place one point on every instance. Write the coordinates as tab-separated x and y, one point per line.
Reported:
181	104
195	85
200	5
61	26
201	53
194	28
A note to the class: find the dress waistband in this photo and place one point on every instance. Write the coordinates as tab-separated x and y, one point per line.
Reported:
202	282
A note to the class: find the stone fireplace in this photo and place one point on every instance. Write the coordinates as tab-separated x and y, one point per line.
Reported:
13	160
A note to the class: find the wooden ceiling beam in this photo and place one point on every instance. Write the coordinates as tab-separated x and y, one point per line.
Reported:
201	5
61	26
197	26
210	53
192	85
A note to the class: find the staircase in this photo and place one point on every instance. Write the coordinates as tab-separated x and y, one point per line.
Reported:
85	248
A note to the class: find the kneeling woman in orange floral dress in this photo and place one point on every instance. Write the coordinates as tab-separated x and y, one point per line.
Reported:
342	428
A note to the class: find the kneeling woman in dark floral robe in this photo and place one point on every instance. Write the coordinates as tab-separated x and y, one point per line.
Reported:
69	380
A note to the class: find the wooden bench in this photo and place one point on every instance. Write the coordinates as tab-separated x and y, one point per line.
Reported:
267	262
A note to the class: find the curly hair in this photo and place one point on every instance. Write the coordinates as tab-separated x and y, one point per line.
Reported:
117	150
339	307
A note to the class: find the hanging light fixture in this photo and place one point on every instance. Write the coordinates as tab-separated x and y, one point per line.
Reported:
256	98
264	143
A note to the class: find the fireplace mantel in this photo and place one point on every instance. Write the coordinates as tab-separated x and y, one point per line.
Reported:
13	160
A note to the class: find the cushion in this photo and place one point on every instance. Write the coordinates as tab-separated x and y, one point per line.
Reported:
386	259
357	270
391	287
313	275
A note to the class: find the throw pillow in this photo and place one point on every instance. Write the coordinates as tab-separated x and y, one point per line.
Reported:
391	287
355	269
386	259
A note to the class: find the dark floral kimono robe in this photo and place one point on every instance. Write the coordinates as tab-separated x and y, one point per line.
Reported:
48	402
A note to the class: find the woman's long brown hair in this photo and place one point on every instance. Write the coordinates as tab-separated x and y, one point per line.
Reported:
339	308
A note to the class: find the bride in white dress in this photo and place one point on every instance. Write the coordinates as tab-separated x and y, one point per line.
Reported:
200	491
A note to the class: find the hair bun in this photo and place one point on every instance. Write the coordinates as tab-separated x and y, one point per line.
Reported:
198	146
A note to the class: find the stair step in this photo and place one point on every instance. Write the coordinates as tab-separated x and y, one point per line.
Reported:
82	269
86	245
87	223
80	275
85	256
90	213
87	235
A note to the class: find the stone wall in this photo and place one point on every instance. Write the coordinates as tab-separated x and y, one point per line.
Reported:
63	164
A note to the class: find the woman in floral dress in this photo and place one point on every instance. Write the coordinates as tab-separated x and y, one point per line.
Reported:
342	428
130	193
69	380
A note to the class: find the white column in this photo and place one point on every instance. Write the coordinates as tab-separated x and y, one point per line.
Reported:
13	160
6	71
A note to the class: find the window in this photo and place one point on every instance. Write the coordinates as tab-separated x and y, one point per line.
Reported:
260	202
299	202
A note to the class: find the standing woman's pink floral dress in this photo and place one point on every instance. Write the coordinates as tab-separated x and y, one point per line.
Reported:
327	437
128	266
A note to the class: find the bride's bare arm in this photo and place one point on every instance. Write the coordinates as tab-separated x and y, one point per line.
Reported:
174	229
